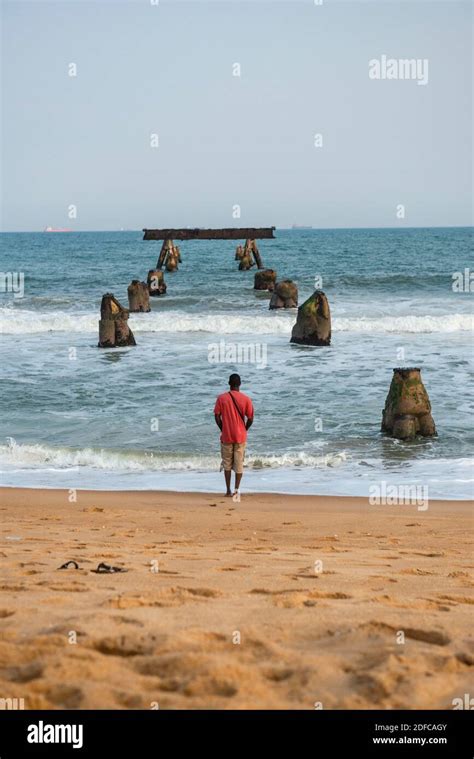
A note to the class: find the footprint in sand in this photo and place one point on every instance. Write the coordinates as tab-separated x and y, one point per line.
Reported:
290	599
278	674
32	563
64	696
415	571
424	553
458	599
130	700
310	574
435	637
163	571
63	629
193	664
67	587
128	621
465	657
305	576
22	673
5	613
167	597
127	645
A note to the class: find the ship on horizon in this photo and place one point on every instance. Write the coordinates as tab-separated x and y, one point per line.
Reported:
56	229
300	226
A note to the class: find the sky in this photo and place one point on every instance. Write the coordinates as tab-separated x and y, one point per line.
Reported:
121	114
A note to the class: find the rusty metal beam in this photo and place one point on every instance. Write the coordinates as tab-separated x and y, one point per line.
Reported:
231	233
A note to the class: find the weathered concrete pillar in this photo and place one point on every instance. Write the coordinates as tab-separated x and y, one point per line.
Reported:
165	248
256	255
251	250
239	252
114	331
245	263
156	283
171	261
123	333
407	411
178	253
265	280
106	333
169	256
138	296
285	295
313	323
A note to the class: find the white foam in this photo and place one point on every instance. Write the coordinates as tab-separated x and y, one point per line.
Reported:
18	321
441	323
37	456
47	467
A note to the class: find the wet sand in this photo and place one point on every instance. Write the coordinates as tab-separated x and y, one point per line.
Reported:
276	602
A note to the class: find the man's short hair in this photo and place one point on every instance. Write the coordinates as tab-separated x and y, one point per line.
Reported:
234	380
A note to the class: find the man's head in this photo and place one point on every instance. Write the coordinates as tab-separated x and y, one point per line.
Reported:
234	381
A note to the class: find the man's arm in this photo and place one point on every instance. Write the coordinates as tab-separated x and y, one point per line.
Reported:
218	419
249	413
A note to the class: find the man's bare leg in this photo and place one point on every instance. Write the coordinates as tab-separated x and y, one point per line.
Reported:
238	477
227	476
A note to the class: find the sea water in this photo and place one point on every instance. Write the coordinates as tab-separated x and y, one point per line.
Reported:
142	417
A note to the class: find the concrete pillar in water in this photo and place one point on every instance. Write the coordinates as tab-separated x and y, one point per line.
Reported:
245	263
313	323
156	283
114	331
407	411
239	252
285	295
265	280
138	296
167	244
172	260
170	256
251	250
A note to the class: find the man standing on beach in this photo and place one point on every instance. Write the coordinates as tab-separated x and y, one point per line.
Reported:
233	413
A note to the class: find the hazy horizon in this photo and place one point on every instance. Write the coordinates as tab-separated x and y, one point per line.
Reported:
277	228
132	115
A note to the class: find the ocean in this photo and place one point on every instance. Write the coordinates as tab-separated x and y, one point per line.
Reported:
77	416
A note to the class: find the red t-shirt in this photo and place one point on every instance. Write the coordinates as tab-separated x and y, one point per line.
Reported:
233	428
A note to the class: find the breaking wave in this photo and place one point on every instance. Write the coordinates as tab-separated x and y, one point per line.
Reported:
37	456
16	321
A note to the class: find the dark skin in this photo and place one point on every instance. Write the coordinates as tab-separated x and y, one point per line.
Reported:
228	474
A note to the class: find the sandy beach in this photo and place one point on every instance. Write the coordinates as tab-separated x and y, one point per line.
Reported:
275	602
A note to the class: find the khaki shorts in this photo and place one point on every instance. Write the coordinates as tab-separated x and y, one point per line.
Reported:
233	457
